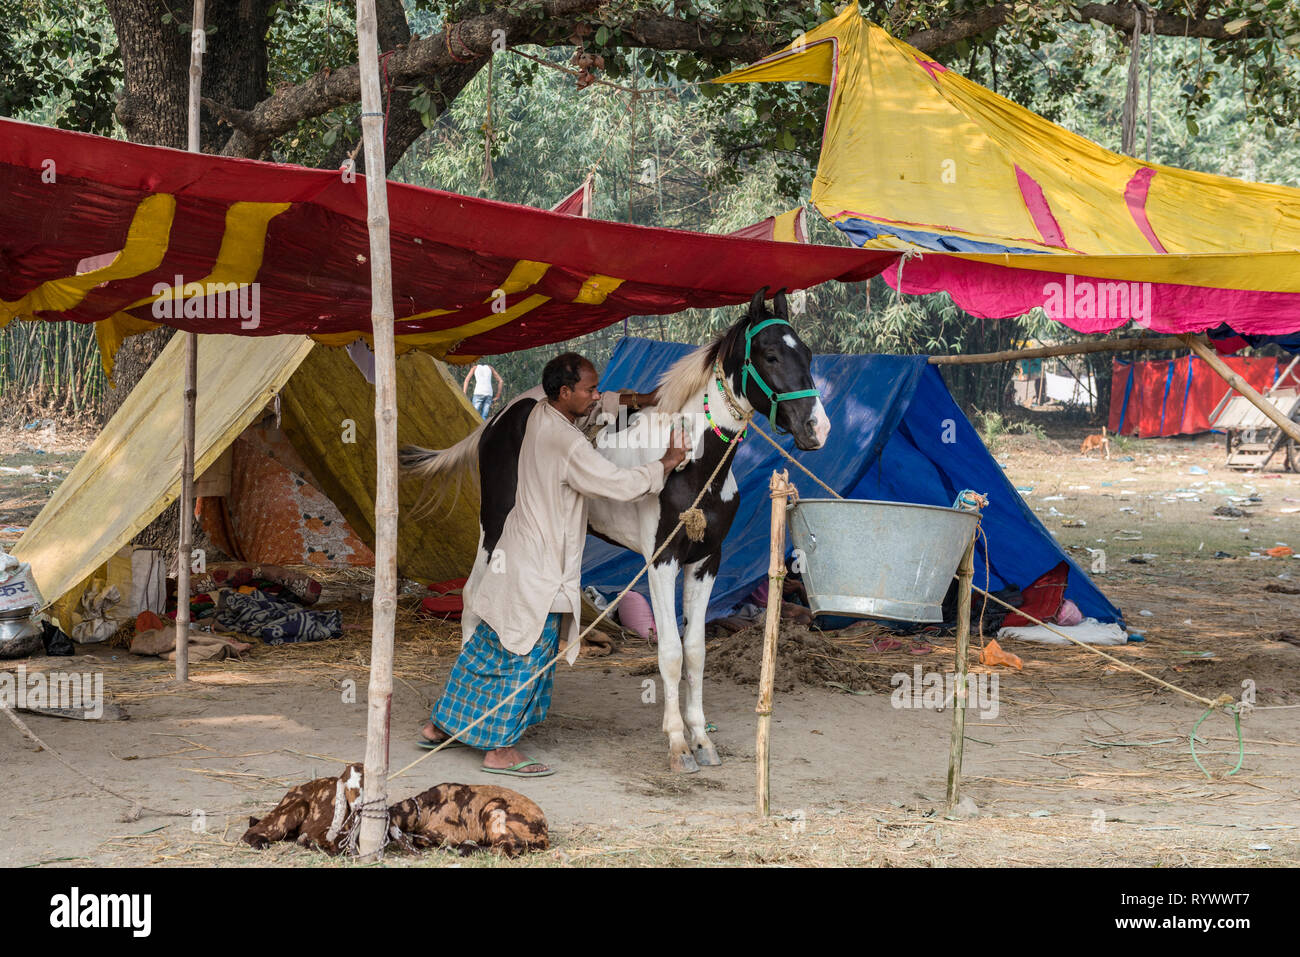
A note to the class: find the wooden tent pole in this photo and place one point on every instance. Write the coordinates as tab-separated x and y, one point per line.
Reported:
374	811
1148	343
956	745
1206	352
186	505
780	488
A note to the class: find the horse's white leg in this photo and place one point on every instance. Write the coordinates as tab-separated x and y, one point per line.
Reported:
663	587
695	603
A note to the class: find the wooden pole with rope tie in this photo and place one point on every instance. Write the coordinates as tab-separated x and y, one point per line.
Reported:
186	504
372	832
957	741
781	491
1142	343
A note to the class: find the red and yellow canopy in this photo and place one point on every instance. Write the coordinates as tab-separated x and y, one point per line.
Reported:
130	237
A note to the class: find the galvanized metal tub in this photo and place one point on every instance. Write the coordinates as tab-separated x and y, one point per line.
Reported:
879	559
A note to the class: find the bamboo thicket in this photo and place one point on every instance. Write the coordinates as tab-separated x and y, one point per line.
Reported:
50	366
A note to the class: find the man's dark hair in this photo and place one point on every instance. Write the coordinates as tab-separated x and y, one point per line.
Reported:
564	369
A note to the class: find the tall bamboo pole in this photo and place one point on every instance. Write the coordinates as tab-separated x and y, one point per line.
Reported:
374	812
1206	352
186	506
965	572
780	490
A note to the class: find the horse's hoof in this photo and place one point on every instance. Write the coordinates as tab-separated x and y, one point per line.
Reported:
706	756
682	763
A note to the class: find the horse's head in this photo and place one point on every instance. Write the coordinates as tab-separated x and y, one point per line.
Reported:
767	363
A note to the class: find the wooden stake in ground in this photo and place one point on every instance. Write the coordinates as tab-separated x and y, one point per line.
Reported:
186	505
374	810
781	489
965	572
1206	352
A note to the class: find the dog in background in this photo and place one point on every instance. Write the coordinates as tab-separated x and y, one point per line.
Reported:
1096	442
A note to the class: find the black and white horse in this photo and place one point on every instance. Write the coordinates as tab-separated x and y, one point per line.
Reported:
760	364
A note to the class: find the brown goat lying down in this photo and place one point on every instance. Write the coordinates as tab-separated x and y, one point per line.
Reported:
469	817
465	817
312	814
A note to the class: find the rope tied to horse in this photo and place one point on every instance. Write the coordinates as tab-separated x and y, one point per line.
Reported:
681	523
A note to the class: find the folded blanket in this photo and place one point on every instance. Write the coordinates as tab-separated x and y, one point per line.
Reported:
1089	631
276	621
203	646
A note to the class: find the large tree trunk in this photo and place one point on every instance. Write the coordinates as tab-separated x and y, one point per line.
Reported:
153	109
156	58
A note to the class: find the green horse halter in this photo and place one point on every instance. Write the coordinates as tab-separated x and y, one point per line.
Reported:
749	369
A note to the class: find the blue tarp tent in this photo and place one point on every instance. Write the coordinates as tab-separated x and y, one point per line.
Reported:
896	435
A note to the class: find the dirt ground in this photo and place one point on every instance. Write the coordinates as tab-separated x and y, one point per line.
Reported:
1084	762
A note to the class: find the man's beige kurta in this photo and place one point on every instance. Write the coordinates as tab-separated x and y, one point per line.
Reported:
536	567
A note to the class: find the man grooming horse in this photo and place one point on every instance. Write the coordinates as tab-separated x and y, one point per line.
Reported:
757	366
530	591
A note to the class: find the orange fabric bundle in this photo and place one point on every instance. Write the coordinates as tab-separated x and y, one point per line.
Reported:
992	654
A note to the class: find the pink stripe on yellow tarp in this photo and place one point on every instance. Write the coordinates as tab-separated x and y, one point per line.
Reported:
1135	197
1048	228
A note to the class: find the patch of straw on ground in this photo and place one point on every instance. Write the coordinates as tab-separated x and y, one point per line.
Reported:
820	837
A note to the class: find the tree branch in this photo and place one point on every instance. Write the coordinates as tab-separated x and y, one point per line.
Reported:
461	49
1117	15
424	57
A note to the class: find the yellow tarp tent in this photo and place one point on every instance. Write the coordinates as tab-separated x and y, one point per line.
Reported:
132	471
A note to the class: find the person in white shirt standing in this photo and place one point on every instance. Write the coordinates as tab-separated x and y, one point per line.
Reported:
484	395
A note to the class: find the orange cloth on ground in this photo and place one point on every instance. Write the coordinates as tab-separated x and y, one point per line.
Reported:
992	654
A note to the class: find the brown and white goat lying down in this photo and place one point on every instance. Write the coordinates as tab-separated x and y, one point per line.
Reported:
465	817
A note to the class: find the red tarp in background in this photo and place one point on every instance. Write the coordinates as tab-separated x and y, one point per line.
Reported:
1176	396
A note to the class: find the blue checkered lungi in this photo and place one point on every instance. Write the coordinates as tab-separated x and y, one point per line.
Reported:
485	674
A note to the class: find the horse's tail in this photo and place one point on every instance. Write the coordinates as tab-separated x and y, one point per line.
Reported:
454	465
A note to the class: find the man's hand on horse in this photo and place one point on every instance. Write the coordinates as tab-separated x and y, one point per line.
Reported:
639	400
678	445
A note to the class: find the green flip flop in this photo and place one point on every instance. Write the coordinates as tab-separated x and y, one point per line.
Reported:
517	770
427	745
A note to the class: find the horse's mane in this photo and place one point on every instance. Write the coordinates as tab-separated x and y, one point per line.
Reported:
689	376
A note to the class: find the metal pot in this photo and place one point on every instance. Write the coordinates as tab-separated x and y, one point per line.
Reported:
20	633
879	559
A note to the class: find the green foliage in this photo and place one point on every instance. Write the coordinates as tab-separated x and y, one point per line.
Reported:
58	64
304	39
50	366
993	428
